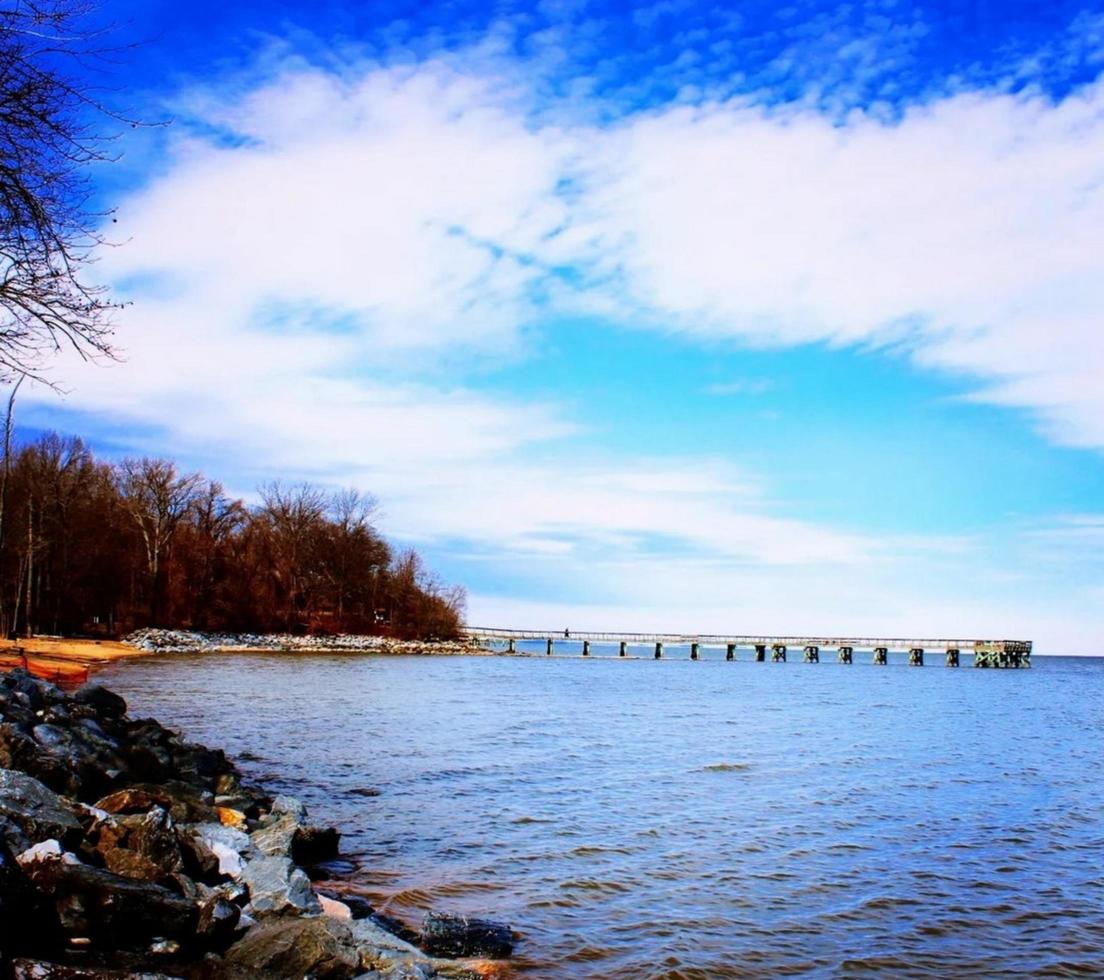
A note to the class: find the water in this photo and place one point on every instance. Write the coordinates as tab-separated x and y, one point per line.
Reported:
634	818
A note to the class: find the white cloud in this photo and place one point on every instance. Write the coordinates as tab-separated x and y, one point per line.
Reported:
304	278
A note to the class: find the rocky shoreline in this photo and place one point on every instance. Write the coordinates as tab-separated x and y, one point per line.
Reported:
126	851
191	641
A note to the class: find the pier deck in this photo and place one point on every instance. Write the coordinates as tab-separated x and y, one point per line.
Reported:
986	653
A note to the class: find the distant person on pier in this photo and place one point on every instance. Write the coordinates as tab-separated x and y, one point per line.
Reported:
567	634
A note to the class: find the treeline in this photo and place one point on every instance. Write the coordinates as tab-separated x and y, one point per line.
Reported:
90	547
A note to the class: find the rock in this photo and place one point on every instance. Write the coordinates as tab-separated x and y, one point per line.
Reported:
114	912
322	948
218	921
36	810
457	935
47	850
230	817
141	846
335	909
213	850
183	802
40	970
276	837
277	887
107	704
28	923
380	951
312	845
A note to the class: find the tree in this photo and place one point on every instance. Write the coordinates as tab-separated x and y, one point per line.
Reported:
293	519
48	138
158	499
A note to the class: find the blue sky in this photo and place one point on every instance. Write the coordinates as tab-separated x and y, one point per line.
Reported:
672	315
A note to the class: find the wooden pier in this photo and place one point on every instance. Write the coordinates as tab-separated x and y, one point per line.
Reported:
986	653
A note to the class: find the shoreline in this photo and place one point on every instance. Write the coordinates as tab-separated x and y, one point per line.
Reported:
125	848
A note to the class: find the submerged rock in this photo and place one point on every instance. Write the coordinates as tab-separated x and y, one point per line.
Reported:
313	845
457	935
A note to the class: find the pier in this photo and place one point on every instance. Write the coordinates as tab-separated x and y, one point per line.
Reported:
986	653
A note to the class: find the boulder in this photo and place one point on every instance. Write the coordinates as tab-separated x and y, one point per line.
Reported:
214	852
106	704
458	935
335	909
319	947
276	836
28	923
218	921
183	802
388	955
277	887
312	845
114	912
36	810
140	846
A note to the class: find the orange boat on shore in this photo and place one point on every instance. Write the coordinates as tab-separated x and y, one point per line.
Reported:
65	662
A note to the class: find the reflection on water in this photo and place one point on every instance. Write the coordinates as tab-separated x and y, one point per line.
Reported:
635	818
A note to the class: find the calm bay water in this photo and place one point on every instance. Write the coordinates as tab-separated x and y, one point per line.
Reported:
634	818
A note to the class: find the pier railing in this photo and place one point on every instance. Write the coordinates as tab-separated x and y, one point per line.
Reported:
986	653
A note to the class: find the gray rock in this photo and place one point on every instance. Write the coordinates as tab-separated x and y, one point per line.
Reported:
387	955
217	850
276	837
52	737
36	810
277	887
321	947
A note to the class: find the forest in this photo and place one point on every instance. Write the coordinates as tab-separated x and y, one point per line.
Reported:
89	547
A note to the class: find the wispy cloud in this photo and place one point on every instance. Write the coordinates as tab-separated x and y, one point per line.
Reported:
325	248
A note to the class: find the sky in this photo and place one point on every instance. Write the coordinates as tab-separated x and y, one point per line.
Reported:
681	316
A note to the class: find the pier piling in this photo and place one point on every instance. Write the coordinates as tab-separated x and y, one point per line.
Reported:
586	648
659	650
760	652
952	657
623	651
549	650
511	647
730	652
881	656
812	654
693	651
845	654
916	657
778	653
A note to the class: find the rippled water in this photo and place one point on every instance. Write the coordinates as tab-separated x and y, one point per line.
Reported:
635	818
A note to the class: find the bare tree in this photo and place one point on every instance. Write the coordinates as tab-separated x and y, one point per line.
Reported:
158	498
294	518
49	135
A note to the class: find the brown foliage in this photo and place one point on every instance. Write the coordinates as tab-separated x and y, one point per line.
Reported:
93	547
